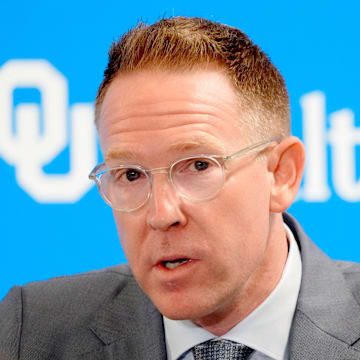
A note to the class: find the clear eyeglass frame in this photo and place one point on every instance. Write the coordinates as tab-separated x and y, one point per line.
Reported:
220	160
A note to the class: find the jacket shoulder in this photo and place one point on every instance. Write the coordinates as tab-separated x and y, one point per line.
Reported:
78	296
44	314
10	324
77	293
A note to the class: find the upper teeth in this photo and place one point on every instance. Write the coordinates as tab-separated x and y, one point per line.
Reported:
173	265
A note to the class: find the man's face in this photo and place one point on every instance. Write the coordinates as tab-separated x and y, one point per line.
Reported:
153	118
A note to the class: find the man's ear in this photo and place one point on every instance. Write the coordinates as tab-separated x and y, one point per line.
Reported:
286	165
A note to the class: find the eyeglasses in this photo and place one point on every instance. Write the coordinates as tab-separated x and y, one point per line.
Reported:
197	178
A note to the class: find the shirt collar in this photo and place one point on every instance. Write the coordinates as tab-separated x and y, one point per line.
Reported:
266	329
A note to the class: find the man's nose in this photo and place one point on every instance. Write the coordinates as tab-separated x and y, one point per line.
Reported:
164	208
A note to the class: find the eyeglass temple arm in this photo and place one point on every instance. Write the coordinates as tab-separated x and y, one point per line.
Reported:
258	147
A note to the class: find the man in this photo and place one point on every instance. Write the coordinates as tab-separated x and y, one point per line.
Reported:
194	126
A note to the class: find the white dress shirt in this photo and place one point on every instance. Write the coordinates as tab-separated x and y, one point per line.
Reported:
266	329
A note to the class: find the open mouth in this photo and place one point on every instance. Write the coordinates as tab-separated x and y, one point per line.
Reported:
172	264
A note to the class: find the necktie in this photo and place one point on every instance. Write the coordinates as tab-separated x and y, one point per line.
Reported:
221	350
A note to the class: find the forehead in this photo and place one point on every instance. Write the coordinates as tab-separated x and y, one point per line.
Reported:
160	110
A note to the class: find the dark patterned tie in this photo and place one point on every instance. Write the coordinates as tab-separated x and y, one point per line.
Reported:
221	350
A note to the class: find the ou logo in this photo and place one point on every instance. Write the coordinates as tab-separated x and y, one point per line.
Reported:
28	149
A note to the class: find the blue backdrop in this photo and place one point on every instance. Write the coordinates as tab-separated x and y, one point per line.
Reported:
52	55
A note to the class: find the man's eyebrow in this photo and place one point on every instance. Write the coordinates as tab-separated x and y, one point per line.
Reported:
194	144
184	146
120	154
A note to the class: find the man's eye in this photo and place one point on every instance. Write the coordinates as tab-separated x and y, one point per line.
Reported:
125	175
194	166
132	175
200	165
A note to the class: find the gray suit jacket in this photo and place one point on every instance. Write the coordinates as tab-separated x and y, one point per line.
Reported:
105	316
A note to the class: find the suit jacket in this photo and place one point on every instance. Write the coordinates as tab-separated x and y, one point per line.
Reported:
104	315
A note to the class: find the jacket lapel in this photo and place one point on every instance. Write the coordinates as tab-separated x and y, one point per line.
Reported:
326	323
129	325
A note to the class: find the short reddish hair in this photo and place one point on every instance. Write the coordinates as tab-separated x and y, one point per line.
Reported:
182	44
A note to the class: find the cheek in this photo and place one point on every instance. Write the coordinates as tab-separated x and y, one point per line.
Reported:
248	194
240	218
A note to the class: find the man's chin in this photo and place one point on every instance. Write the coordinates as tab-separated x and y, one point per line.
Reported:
179	315
180	309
